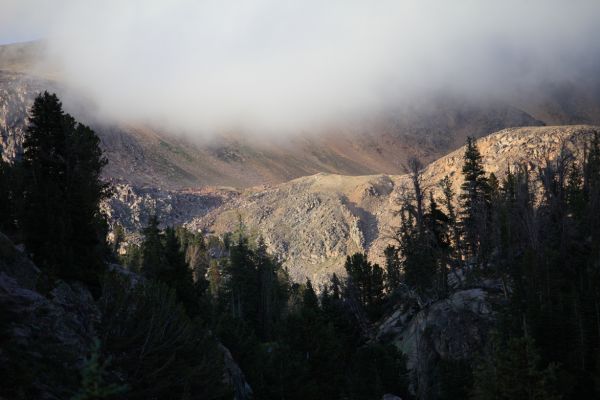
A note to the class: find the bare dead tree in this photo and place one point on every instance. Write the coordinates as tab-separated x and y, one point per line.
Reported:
414	169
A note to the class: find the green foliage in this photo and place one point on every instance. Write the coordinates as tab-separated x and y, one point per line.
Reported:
59	215
393	271
162	257
365	281
453	379
538	233
419	261
93	375
132	259
7	194
156	348
512	370
255	288
178	274
475	202
377	368
154	263
119	238
291	343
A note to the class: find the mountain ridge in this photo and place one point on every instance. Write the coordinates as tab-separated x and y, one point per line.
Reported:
312	223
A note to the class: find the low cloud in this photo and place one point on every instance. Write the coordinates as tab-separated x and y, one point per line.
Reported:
279	66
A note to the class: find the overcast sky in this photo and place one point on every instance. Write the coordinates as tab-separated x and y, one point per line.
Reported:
277	64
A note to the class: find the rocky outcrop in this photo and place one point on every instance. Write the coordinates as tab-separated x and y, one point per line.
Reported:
131	206
450	330
44	338
17	92
235	377
15	264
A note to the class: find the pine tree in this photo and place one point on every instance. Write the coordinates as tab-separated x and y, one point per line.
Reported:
177	273
474	200
419	262
93	378
241	284
269	303
367	281
439	234
60	216
513	370
7	217
153	253
392	268
310	299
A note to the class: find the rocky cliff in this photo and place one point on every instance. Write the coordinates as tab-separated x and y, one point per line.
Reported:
448	333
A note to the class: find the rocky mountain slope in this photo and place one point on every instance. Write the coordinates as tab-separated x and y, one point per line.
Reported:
312	223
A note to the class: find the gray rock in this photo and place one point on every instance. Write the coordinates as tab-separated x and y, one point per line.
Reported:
452	329
235	377
46	337
14	263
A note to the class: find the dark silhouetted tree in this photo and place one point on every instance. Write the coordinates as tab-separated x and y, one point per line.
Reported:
474	201
60	217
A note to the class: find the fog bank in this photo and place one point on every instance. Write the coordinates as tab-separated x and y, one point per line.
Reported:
280	66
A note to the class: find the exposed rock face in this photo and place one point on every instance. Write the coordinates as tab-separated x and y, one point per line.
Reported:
452	329
235	377
44	339
131	206
390	397
16	96
16	264
310	223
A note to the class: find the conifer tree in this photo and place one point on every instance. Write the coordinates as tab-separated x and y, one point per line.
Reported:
60	216
93	378
7	217
153	252
366	280
438	234
177	273
392	268
241	282
418	259
310	299
513	370
474	200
